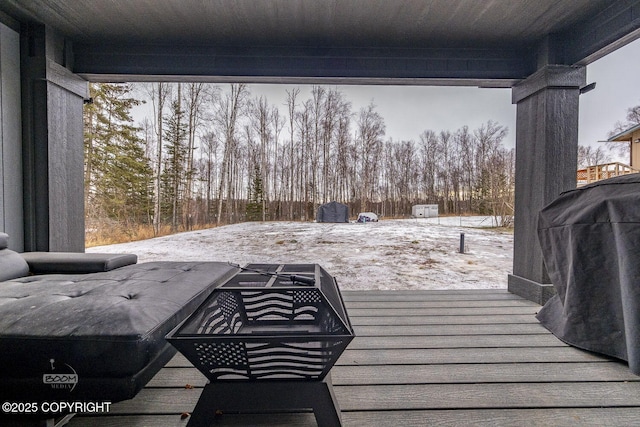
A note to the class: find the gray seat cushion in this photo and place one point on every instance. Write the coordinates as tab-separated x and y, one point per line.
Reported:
73	262
103	325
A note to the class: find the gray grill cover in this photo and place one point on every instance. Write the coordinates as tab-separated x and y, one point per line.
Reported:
333	212
590	239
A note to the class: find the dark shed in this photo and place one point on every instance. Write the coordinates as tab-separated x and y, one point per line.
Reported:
333	212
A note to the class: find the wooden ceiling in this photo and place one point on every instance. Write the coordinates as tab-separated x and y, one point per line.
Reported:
467	41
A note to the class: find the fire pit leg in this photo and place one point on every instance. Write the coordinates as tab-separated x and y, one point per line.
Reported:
256	396
325	404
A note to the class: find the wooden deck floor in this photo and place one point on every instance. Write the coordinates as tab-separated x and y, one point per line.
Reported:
423	358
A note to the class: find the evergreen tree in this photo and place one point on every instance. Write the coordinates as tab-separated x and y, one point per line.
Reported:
175	171
255	207
117	173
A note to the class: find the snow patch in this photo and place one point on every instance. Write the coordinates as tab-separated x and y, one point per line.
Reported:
389	254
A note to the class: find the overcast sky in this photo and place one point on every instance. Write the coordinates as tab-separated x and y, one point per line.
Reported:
617	78
409	110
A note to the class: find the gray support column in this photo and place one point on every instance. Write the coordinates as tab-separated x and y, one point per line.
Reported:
10	138
546	158
52	99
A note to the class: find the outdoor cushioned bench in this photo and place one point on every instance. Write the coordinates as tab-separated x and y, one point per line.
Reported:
94	330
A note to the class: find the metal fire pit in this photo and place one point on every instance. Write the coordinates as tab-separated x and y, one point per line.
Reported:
267	339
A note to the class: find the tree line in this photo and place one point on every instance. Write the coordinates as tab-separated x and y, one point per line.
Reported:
212	154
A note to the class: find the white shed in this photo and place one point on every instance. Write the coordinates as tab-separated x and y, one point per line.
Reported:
424	211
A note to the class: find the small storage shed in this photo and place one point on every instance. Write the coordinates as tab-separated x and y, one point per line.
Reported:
424	211
333	212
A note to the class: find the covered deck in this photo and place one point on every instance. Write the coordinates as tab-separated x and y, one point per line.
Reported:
446	358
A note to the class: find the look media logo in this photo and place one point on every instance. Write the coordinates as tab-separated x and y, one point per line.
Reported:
61	378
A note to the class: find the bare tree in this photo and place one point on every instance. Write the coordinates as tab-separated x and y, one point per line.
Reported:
467	147
632	119
318	95
210	144
226	116
292	96
489	139
589	156
305	164
445	151
403	161
428	164
371	129
278	125
159	93
194	106
344	144
330	153
501	192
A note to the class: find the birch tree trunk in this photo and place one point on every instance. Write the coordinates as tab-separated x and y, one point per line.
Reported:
158	102
226	117
195	104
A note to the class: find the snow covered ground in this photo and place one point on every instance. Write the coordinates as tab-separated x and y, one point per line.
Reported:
390	254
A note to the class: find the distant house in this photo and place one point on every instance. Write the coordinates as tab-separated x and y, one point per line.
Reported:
598	172
632	137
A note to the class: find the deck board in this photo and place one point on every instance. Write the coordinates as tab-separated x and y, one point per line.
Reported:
460	329
439	374
393	397
449	341
444	358
438	304
489	319
441	311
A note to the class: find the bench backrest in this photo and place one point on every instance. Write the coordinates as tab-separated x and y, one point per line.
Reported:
12	265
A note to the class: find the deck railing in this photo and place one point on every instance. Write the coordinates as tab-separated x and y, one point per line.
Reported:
599	172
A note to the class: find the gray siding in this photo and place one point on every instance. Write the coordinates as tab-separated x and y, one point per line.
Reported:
65	170
52	98
11	212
